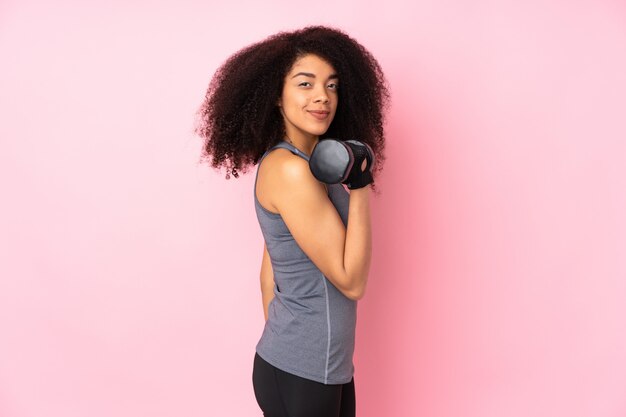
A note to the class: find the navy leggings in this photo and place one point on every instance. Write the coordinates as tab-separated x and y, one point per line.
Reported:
281	394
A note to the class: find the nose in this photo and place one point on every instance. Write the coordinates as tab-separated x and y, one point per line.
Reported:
322	97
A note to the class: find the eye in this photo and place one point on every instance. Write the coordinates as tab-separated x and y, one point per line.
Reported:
334	86
304	82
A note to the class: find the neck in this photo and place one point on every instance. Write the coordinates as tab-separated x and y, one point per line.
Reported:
305	145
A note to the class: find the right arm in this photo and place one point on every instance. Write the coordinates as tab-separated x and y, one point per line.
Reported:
342	254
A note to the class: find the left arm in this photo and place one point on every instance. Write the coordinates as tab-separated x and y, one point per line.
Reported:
267	281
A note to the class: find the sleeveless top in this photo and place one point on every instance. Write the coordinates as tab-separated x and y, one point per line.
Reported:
310	330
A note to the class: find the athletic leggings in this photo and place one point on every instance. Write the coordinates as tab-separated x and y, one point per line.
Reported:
281	394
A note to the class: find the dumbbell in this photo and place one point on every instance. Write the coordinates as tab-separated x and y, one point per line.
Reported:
333	161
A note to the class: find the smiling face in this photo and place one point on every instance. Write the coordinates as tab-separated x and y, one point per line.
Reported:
309	98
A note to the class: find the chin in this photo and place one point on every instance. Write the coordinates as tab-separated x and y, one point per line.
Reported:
319	131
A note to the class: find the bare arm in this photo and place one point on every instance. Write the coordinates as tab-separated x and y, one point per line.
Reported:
342	254
267	281
358	252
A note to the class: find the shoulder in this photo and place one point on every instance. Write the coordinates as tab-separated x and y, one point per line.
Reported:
281	163
281	171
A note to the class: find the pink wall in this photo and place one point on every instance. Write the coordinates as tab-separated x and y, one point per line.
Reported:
129	274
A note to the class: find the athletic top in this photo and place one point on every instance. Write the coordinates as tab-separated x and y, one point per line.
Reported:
311	325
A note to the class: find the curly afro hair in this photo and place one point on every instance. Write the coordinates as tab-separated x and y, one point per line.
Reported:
239	119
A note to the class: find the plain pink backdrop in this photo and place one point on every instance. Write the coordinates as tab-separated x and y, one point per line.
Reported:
129	273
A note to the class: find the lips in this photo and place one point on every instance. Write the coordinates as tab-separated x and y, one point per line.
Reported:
319	114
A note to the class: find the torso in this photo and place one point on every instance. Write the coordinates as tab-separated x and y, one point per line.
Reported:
310	330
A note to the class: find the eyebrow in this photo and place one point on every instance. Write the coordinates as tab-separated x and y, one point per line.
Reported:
308	74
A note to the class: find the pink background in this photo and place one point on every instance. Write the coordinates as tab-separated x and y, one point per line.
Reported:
129	273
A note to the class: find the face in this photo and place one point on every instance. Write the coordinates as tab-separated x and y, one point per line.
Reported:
309	98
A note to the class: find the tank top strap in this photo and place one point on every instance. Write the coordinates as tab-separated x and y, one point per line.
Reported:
293	149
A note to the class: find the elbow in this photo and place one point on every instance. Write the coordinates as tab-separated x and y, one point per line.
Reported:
355	290
356	294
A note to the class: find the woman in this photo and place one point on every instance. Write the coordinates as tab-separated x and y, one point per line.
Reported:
271	103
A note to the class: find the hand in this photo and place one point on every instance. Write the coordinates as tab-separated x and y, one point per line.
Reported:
360	176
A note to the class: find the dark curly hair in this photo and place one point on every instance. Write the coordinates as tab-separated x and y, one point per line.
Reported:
239	119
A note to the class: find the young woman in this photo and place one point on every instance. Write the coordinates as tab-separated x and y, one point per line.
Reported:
270	104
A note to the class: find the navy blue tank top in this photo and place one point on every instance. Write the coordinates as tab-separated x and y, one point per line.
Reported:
310	330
